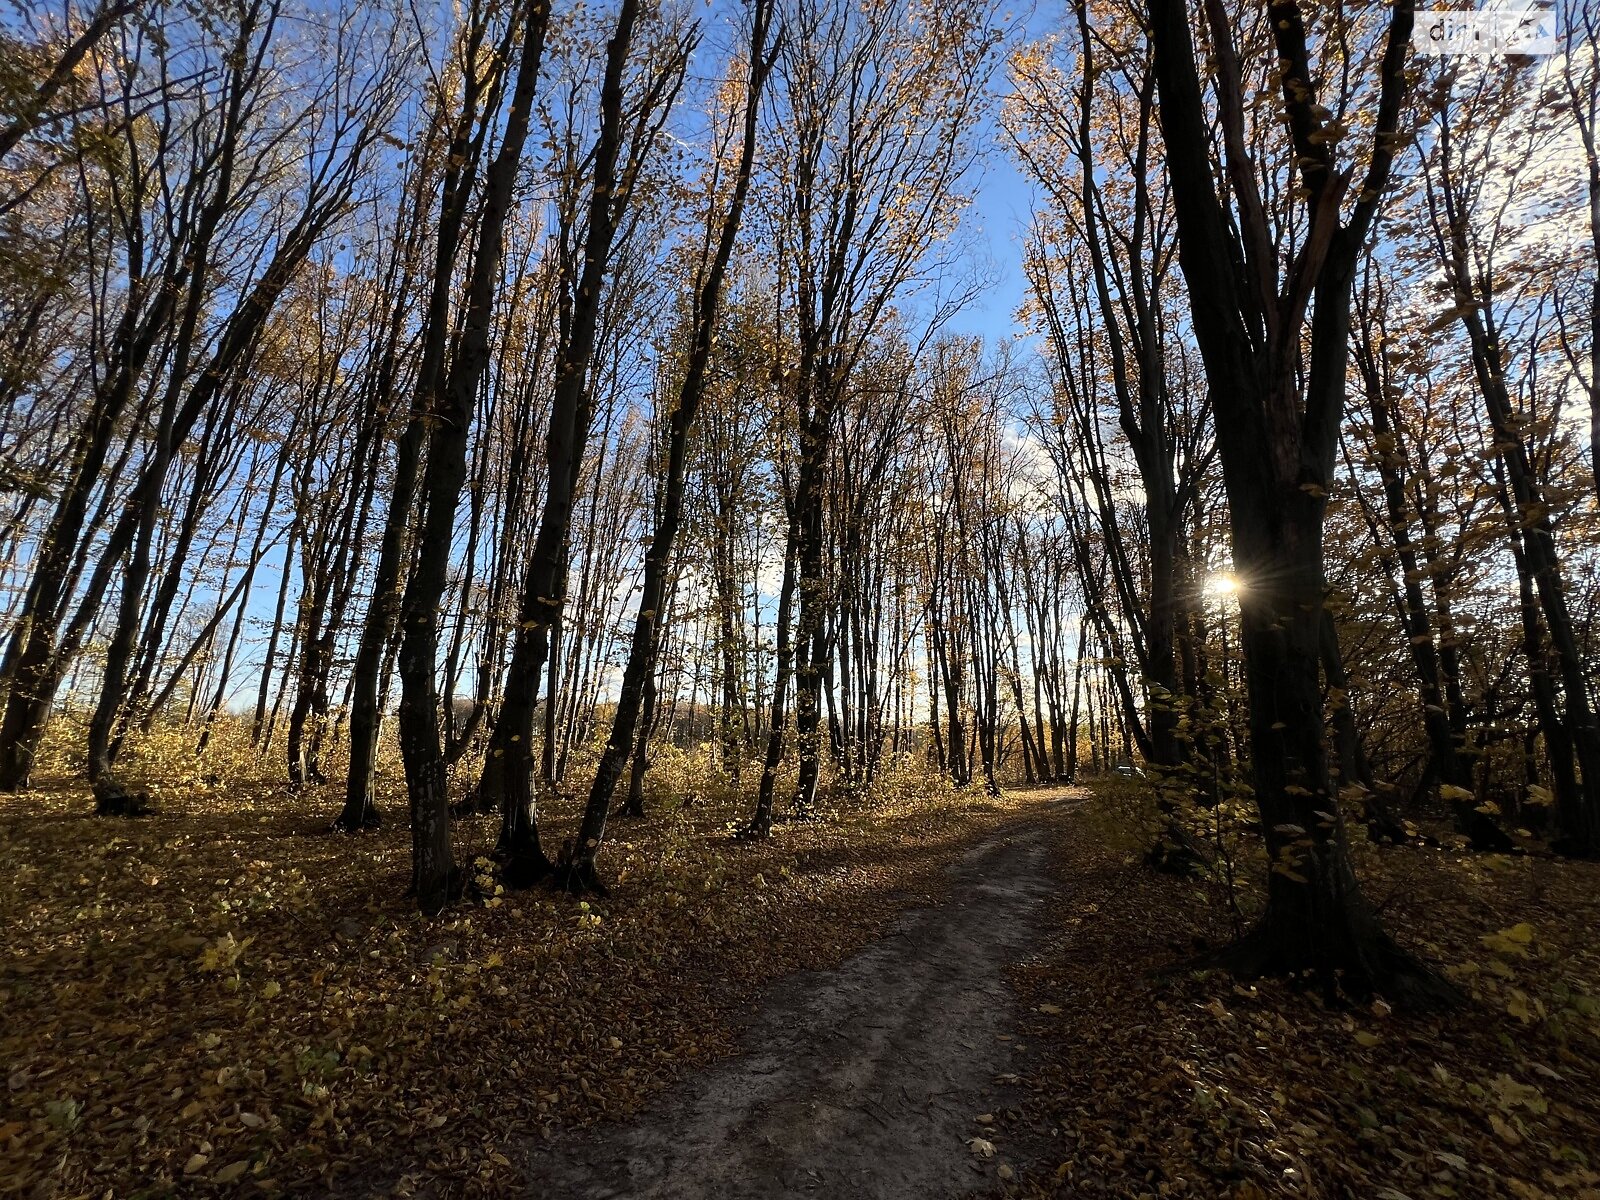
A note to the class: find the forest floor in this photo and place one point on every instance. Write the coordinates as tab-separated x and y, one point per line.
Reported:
943	995
1151	1081
222	999
861	1081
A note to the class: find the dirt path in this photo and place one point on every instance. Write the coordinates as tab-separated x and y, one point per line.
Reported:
862	1081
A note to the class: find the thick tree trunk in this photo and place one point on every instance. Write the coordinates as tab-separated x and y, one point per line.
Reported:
1276	440
509	771
809	642
1316	920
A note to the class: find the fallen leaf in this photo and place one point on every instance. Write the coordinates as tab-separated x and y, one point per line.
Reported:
1504	1131
231	1172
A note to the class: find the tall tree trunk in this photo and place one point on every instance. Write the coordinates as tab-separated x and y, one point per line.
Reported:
434	875
1276	440
639	673
571	412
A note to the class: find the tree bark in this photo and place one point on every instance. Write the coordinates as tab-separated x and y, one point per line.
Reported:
639	674
1276	442
435	879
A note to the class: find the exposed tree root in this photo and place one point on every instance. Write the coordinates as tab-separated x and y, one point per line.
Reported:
1361	963
455	887
368	821
113	801
577	877
755	831
523	867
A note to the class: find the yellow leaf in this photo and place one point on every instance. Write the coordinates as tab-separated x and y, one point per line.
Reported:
231	1172
1504	1131
1364	1038
1512	941
1512	1094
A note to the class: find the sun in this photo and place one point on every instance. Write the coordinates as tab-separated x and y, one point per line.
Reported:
1222	584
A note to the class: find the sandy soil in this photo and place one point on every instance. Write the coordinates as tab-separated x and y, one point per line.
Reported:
864	1081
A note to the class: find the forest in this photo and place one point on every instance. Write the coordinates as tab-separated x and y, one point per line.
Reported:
884	598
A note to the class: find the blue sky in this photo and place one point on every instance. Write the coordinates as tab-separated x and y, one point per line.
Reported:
997	222
1003	199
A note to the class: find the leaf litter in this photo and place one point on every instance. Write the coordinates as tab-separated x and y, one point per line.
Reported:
1152	1083
218	1001
223	1000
